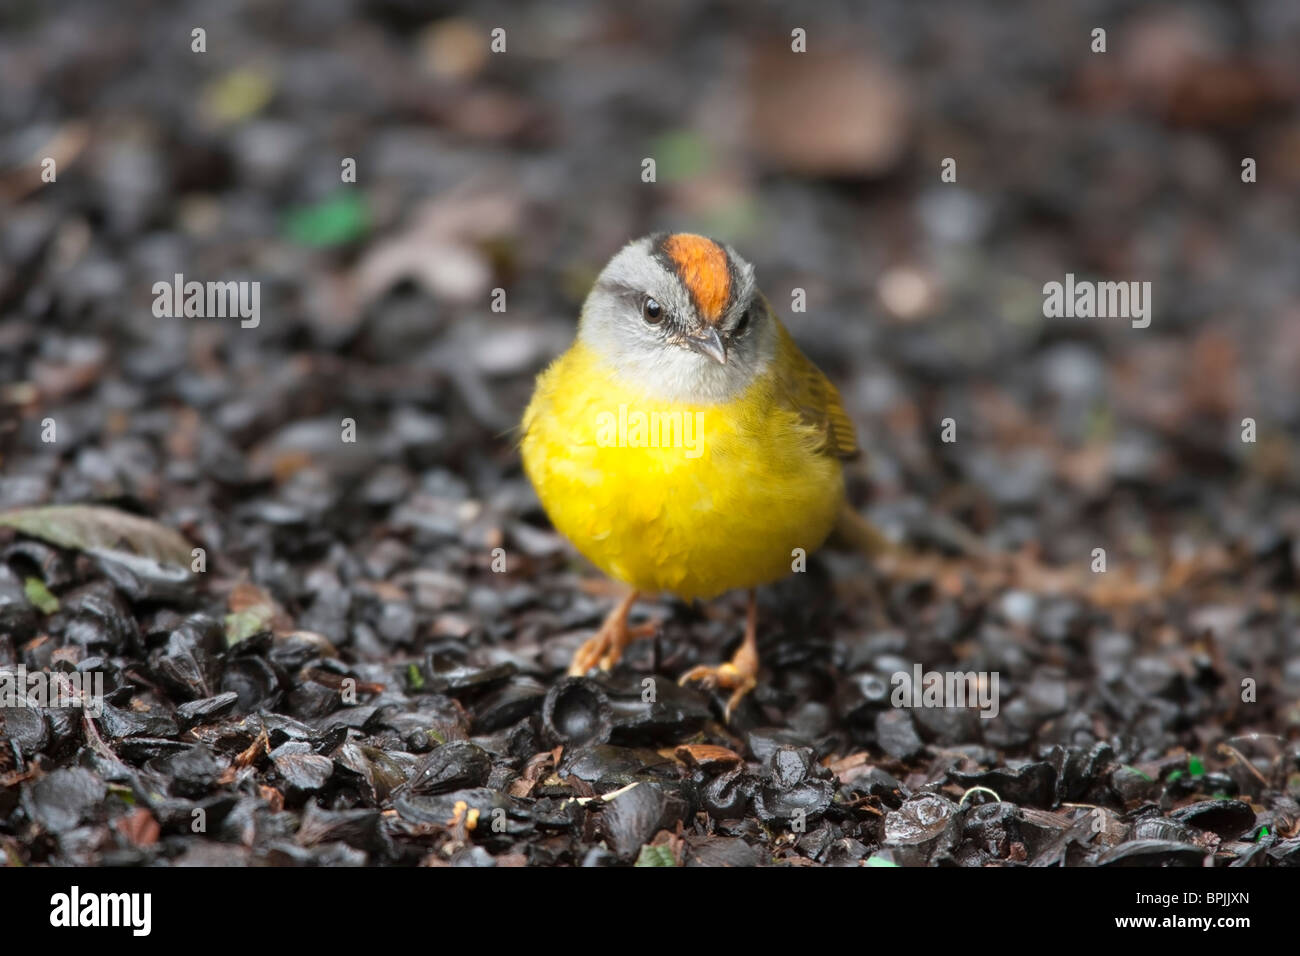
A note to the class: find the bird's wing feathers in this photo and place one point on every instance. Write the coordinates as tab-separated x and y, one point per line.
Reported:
807	391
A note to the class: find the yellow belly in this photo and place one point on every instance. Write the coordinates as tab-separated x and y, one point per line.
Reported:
729	497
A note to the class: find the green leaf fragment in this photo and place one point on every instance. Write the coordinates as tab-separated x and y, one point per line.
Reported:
1194	766
40	595
680	156
1132	769
414	677
239	94
242	625
332	222
655	856
96	528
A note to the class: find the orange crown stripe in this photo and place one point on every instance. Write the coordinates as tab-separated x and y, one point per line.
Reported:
702	266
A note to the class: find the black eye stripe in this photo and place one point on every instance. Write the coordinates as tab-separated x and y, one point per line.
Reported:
734	286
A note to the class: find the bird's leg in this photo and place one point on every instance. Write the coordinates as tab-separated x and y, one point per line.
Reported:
740	674
605	647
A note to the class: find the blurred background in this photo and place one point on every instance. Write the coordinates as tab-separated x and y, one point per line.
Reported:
521	170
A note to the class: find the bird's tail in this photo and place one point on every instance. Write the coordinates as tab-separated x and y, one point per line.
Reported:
855	533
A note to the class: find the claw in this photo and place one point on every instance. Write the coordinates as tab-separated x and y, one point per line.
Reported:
605	648
727	676
740	674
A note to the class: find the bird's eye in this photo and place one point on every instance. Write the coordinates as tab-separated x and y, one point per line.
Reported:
742	324
652	310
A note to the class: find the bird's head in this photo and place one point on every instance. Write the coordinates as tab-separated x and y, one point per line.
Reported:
679	316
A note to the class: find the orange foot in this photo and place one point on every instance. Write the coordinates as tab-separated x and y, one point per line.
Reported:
604	648
740	674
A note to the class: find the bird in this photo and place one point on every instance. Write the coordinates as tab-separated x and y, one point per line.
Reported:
684	444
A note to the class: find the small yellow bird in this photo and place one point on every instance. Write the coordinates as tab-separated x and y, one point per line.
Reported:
684	443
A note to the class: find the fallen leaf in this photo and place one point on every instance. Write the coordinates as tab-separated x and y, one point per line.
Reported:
138	827
40	596
98	528
707	757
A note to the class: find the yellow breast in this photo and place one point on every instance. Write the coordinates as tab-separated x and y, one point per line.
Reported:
695	500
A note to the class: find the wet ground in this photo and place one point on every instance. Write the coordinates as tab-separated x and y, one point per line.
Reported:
352	679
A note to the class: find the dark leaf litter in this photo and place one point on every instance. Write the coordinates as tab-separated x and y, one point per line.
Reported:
348	681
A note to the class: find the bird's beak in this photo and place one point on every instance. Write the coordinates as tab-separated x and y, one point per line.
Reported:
708	342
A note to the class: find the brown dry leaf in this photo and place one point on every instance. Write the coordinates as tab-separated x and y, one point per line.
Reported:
1121	587
1011	423
335	681
183	438
1032	575
839	114
844	764
67	143
1205	563
708	757
538	766
455	48
951	582
273	797
384	590
444	248
287	464
139	827
246	757
1087	469
324	647
1213	384
248	597
59	380
491	115
673	841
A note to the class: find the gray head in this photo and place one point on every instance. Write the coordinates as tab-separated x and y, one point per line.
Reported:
679	316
